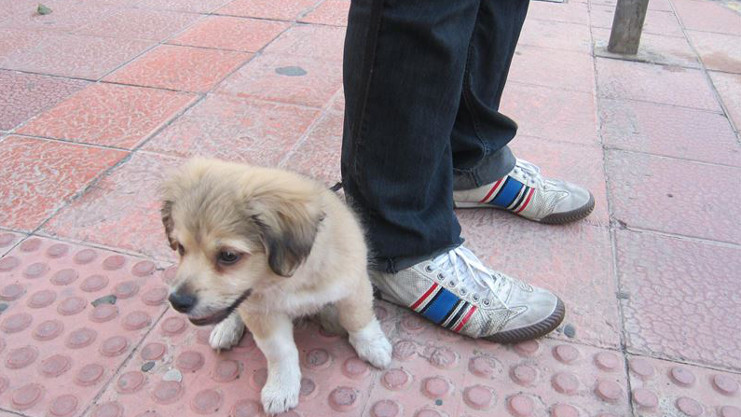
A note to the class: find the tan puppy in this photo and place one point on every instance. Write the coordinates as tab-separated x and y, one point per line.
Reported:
260	247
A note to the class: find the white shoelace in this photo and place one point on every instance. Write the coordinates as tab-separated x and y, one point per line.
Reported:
531	172
468	269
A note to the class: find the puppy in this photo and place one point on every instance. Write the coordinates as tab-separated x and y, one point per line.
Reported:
260	247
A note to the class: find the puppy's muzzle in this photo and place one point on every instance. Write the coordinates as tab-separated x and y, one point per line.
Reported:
182	301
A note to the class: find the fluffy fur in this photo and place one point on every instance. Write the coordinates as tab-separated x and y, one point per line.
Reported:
298	249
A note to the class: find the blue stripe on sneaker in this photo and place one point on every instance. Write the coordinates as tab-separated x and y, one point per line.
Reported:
440	306
508	193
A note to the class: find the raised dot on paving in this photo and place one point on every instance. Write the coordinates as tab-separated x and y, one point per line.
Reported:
143	268
48	330
64	277
645	399
136	320
63	406
21	357
246	408
427	412
27	396
41	299
396	379
608	390
109	409
114	262
385	408
355	368
483	366
71	306
413	324
174	325
259	377
689	406
317	359
189	361
30	245
682	376
12	292
36	270
524	375
206	402
94	283
153	351
520	405
725	384
442	357
607	361
641	368
103	313
343	398
9	263
564	410
529	348
167	392
16	322
565	353
404	350
126	289
55	365
85	256
57	250
155	296
436	387
308	388
479	397
6	239
729	411
89	374
130	382
114	346
565	383
226	370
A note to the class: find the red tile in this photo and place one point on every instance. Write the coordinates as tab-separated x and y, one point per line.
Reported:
200	6
556	35
268	9
16	41
677	298
330	12
122	210
236	129
26	95
574	261
130	23
38	177
553	68
728	87
657	22
707	17
668	130
66	15
318	155
665	50
320	42
654	83
540	111
717	51
109	115
289	79
571	12
180	68
238	34
674	196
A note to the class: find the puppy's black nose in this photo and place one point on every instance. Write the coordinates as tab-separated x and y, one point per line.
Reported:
181	301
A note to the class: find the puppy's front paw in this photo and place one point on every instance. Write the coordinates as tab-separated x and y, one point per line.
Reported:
227	334
278	398
371	344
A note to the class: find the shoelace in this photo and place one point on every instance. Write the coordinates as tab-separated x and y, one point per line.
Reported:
463	264
531	172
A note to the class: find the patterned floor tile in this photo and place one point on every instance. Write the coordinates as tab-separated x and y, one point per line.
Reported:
39	176
539	111
290	79
66	15
234	33
572	12
60	347
180	68
553	68
318	155
556	35
674	196
74	55
129	23
728	87
268	9
668	130
674	298
330	12
323	42
235	129
26	95
122	210
110	115
718	51
654	83
14	42
707	17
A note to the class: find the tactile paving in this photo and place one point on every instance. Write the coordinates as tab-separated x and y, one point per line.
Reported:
70	317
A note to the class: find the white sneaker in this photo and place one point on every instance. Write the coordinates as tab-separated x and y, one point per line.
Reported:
456	291
526	193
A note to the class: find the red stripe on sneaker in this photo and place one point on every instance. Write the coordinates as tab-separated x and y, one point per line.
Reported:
532	191
496	184
424	297
465	319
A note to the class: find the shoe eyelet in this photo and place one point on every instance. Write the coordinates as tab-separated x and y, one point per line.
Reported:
475	297
486	302
440	277
453	283
463	291
428	268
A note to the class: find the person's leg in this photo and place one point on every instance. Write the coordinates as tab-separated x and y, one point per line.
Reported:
403	73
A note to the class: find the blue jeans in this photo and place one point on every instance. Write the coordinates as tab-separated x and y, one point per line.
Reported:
423	81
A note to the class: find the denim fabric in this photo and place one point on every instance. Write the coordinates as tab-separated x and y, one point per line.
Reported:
423	82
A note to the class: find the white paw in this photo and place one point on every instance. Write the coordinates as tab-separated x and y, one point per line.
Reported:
227	334
371	344
280	397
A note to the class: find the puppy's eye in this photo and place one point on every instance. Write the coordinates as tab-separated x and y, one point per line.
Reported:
181	249
227	257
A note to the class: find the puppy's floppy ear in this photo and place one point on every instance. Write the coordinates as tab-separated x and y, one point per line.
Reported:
167	221
288	227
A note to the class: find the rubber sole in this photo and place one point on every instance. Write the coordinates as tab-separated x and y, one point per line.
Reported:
556	218
532	332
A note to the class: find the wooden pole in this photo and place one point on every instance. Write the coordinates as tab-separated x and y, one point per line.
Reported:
627	26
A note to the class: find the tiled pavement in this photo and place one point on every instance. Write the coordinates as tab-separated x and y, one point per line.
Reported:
98	98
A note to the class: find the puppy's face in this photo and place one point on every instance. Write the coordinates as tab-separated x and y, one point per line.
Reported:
237	230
